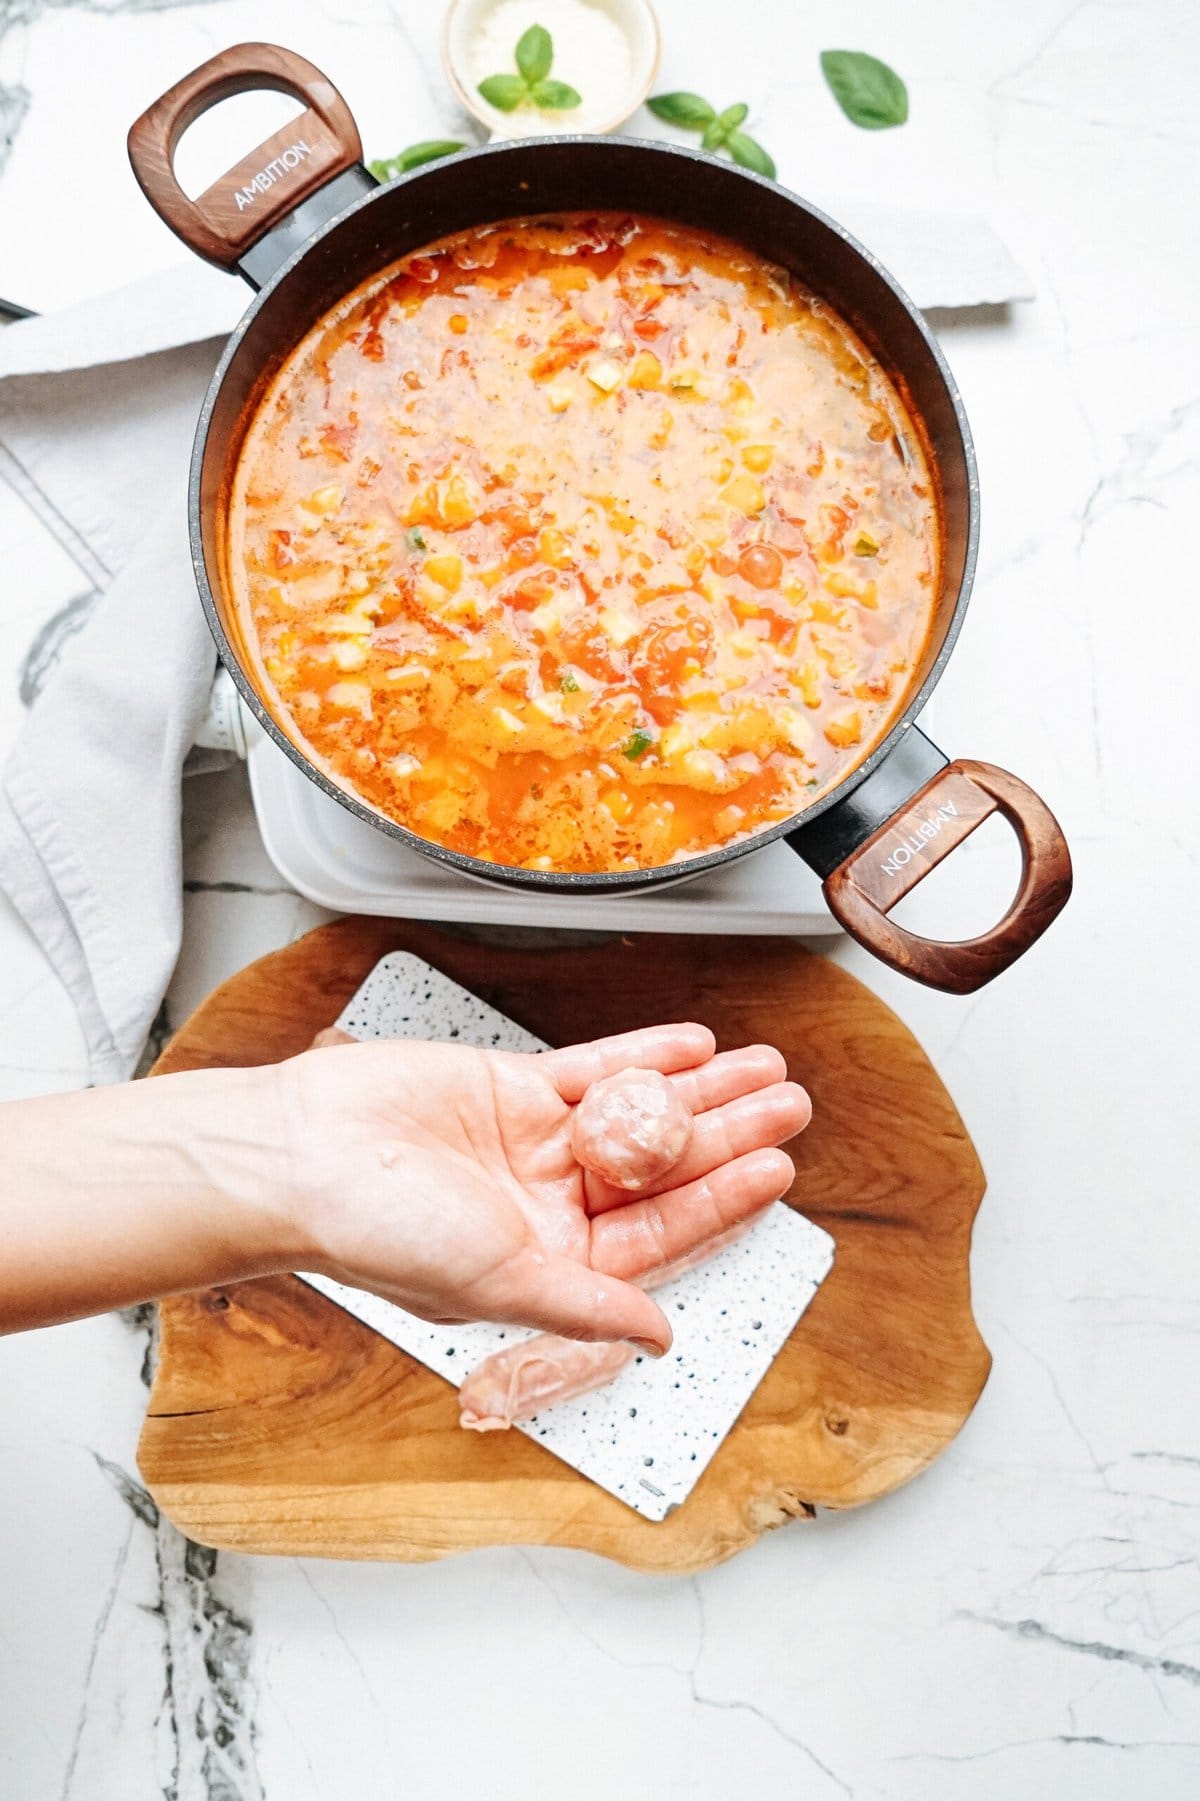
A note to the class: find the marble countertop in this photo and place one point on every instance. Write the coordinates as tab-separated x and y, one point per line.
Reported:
1021	1620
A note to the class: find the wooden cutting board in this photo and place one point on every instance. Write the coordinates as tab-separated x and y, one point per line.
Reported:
277	1423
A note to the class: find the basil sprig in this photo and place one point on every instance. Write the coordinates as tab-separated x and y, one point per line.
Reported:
719	131
427	151
534	57
868	92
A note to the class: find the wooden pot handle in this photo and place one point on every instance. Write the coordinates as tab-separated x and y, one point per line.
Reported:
268	183
862	891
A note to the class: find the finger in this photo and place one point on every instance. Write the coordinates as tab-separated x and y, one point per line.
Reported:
557	1294
627	1241
662	1273
728	1075
767	1117
665	1048
331	1035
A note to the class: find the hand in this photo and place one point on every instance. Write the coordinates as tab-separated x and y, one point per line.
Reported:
442	1177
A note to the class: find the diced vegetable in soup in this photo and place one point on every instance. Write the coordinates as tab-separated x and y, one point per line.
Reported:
584	544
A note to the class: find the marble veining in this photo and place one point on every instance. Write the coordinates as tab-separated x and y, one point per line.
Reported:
1022	1620
198	1719
14	102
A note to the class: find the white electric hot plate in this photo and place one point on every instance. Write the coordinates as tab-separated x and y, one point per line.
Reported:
337	861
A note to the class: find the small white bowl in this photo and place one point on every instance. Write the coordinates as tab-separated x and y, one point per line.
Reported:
638	22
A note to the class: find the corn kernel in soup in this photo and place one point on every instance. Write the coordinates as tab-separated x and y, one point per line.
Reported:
584	544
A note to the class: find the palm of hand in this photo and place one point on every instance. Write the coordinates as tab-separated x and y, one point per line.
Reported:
500	1120
450	1185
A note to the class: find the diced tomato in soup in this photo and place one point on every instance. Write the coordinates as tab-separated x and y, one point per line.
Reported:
584	544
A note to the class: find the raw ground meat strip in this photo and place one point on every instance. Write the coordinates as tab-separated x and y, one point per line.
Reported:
517	1382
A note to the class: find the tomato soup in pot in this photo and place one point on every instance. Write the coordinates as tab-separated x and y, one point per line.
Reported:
584	544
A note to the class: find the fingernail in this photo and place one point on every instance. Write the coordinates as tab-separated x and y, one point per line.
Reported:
649	1347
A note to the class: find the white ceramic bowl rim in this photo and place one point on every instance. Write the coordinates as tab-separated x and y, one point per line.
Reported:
641	26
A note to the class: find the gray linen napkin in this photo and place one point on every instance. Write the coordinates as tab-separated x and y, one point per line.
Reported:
95	439
90	807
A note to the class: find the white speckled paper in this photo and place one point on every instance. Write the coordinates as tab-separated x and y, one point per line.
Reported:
648	1437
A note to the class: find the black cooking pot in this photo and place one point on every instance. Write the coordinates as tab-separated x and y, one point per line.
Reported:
304	222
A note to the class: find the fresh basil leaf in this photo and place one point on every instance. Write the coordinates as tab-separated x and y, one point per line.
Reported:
714	135
868	92
504	92
750	154
732	117
535	53
688	110
554	96
427	151
637	744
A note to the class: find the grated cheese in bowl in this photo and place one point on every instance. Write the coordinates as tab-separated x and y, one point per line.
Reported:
607	50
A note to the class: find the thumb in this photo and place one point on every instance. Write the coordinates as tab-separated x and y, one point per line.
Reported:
557	1294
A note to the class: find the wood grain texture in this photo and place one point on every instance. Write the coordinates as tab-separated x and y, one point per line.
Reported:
277	1423
945	812
272	179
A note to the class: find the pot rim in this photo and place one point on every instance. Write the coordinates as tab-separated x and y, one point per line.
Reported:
553	879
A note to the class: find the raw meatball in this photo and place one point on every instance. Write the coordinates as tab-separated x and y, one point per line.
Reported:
631	1128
